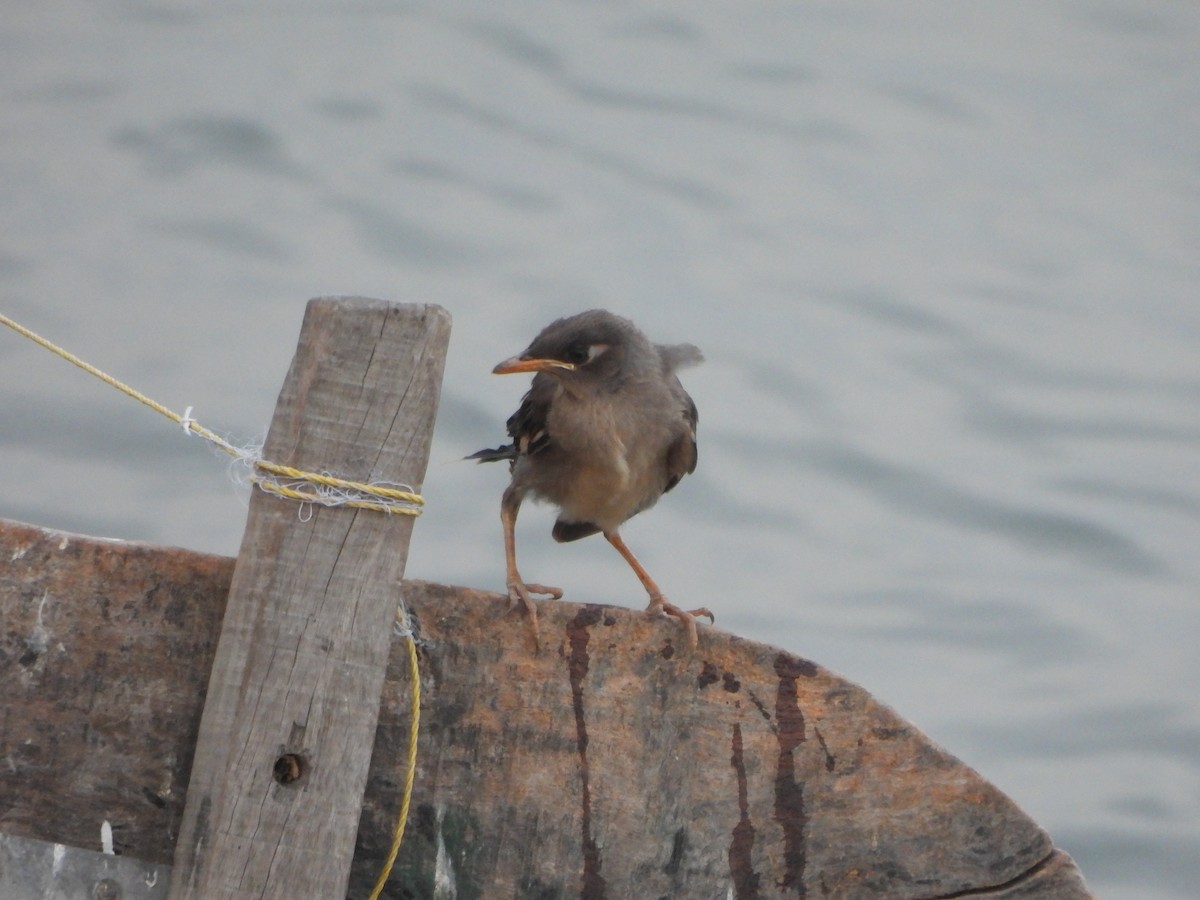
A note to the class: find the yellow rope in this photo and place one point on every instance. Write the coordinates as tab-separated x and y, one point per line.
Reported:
347	492
307	487
411	773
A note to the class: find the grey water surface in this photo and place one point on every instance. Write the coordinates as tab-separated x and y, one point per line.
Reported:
943	259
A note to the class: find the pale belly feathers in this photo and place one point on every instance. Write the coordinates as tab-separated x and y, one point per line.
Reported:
606	484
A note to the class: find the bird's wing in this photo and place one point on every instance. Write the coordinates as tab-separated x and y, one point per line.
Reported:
527	426
682	454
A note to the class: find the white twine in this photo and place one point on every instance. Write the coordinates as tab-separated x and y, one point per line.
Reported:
402	627
244	472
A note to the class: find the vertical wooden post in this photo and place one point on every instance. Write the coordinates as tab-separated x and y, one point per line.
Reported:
285	739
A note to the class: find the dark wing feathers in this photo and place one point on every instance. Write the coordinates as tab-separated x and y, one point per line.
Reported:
495	454
527	426
682	455
564	531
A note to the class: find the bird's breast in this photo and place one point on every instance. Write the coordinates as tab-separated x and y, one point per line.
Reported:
609	465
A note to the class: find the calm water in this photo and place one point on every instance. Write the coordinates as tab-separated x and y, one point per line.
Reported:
943	260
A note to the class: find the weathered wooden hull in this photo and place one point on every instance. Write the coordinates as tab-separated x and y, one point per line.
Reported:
610	762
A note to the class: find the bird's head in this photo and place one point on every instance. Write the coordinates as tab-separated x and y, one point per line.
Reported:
593	347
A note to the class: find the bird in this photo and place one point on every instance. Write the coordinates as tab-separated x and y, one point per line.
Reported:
604	431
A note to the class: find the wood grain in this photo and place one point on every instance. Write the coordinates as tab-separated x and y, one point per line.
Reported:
301	657
610	764
105	650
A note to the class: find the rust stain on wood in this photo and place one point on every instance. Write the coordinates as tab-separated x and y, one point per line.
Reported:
577	666
763	711
830	759
741	866
789	791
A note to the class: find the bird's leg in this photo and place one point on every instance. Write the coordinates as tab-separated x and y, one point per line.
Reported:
658	603
518	590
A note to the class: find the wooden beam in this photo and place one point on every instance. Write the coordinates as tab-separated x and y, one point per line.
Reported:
105	652
293	699
612	760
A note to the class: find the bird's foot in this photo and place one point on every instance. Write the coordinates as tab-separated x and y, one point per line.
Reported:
520	592
552	593
660	606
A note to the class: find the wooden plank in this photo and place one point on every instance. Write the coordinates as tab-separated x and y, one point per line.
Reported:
614	763
740	770
105	650
284	745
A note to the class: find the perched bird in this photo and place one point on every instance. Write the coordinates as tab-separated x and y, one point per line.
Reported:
604	431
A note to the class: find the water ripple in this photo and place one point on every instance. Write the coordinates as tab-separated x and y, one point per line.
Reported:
918	493
693	191
184	144
985	626
224	235
513	196
1141	729
392	236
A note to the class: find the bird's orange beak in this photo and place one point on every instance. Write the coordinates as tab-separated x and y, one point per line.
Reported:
521	364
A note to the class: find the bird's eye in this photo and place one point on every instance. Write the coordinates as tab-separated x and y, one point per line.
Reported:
578	354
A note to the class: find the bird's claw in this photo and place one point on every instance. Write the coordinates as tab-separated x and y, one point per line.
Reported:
520	592
552	593
659	606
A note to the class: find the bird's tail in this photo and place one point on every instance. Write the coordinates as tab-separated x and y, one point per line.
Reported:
496	454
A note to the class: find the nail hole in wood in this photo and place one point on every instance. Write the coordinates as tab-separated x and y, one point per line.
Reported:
289	768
